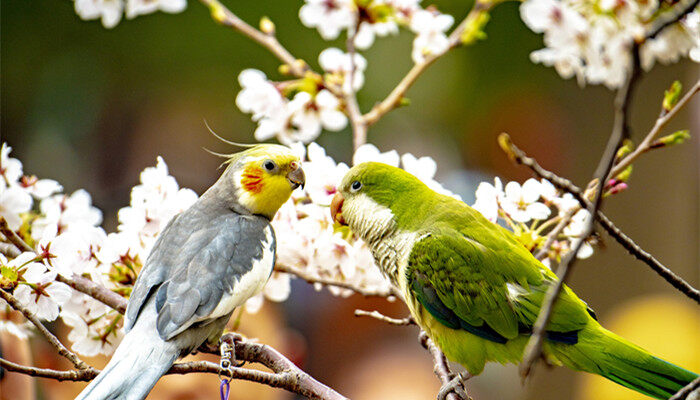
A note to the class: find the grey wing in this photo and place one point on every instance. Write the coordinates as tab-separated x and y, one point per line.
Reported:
153	272
202	281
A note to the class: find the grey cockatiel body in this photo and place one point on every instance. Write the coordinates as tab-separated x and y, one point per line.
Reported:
206	262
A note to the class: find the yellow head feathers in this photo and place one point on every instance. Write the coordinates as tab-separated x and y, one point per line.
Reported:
265	176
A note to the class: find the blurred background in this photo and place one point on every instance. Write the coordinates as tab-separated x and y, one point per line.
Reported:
92	107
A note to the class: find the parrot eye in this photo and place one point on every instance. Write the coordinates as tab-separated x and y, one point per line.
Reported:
269	165
355	186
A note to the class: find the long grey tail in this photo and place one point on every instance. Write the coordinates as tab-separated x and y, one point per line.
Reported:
140	360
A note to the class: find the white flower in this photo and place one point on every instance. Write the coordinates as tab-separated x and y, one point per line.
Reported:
430	28
576	228
341	65
370	152
278	287
60	212
487	198
40	188
76	249
44	296
20	331
86	338
253	304
309	114
13	201
135	8
330	17
323	174
258	95
367	32
10	168
110	11
520	202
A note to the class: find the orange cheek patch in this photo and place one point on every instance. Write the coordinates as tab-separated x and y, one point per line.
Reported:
251	180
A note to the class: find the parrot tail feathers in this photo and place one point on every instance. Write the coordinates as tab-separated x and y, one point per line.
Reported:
134	369
604	353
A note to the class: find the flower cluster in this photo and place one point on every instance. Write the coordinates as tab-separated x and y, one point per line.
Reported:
368	19
110	11
592	40
532	210
297	110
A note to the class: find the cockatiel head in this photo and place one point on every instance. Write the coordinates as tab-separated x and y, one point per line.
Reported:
262	178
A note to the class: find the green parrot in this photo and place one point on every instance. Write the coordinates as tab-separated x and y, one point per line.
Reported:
475	290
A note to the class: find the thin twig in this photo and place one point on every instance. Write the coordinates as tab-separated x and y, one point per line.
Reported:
62	350
359	126
687	390
394	98
554	233
670	18
225	17
293	380
97	292
658	125
620	131
12	236
391	292
377	315
519	156
9	250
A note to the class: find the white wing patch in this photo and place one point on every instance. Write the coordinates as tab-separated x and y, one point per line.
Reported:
252	282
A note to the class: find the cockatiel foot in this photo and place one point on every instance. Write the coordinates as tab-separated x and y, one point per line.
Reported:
231	339
456	386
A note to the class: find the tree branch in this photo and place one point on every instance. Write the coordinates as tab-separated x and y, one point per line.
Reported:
440	366
518	156
472	21
225	17
62	350
392	292
12	237
620	131
393	321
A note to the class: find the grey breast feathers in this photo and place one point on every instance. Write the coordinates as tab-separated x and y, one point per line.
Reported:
195	262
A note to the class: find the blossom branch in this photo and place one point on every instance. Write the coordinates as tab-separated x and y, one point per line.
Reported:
377	315
12	236
620	131
473	23
359	126
62	350
392	292
661	122
519	156
671	18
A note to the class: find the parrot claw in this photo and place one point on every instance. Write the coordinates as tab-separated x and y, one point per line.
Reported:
231	339
456	386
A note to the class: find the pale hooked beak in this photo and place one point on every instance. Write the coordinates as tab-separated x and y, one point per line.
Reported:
337	209
296	178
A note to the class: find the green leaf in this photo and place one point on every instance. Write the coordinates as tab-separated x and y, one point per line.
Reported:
673	139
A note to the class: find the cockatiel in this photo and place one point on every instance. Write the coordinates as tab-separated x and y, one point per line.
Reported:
207	261
475	289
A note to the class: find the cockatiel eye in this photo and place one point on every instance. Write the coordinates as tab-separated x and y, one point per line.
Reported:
269	165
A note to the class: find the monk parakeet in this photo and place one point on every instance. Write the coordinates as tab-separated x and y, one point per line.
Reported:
207	261
475	289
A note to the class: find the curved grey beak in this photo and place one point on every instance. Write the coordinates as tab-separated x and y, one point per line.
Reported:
296	178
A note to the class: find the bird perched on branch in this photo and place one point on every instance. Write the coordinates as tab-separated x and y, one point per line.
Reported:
476	290
207	261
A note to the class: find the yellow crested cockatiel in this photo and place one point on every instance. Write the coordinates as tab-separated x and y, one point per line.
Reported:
207	261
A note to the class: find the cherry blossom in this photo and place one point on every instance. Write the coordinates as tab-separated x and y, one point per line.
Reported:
520	202
13	202
430	28
109	11
330	17
487	199
135	8
341	66
38	292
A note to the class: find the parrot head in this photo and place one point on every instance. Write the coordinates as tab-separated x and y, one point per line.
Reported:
263	177
374	197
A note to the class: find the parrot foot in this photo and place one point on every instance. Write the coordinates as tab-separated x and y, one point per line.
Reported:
231	339
456	386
